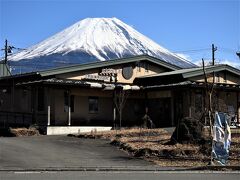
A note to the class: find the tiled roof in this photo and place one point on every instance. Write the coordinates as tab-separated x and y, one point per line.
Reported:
194	84
191	72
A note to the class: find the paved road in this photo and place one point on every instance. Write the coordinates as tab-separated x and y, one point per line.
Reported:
120	175
62	152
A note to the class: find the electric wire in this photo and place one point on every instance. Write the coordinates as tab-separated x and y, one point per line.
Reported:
192	50
37	65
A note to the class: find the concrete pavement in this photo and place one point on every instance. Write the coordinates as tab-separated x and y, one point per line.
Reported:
62	152
170	175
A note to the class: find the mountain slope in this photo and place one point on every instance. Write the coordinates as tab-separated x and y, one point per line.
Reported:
90	40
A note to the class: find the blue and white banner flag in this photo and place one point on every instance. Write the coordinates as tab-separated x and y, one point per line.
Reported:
221	139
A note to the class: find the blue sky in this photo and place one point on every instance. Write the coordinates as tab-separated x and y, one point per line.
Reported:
178	25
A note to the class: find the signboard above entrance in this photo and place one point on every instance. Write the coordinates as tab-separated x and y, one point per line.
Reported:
109	71
107	75
97	77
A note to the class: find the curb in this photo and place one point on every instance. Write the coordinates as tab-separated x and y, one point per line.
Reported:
217	168
93	169
131	169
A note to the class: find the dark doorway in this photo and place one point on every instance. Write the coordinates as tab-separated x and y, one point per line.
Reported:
160	112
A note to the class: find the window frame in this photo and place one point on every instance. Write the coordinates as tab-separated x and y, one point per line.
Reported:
93	104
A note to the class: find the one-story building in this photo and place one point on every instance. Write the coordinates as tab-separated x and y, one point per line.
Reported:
87	96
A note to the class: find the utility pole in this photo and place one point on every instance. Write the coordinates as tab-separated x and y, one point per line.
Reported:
4	67
213	54
6	51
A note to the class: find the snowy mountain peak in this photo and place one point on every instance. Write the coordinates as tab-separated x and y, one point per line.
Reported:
93	39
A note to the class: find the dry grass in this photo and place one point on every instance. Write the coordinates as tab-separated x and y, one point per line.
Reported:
24	132
152	145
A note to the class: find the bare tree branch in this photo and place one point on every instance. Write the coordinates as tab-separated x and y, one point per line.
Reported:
120	98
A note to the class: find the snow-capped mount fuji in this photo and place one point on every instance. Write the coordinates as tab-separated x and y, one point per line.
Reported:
92	39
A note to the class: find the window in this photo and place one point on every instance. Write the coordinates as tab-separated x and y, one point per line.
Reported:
40	97
66	101
93	104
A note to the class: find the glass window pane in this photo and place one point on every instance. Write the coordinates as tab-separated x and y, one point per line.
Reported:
93	104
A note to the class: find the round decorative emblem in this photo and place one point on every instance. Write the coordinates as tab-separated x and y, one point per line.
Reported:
127	72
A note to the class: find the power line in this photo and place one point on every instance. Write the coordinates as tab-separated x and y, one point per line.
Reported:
227	49
8	50
15	63
192	50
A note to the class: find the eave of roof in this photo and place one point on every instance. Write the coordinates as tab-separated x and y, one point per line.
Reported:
15	76
80	67
99	64
193	84
192	72
210	69
54	81
79	83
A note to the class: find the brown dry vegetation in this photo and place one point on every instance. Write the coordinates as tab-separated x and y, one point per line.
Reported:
24	132
153	145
